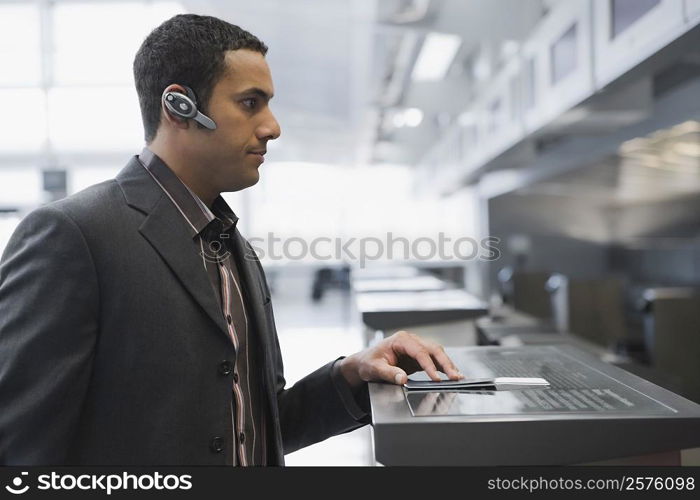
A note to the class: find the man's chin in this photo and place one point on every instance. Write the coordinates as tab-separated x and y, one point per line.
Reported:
241	184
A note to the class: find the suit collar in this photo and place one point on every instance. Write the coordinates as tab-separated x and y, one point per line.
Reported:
140	190
193	209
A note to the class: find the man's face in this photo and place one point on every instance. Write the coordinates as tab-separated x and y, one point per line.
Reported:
239	106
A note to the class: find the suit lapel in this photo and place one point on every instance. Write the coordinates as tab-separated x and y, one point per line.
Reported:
165	230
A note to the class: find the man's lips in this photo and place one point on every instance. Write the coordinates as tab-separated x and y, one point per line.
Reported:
260	155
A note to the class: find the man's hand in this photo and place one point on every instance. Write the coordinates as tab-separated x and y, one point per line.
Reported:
392	359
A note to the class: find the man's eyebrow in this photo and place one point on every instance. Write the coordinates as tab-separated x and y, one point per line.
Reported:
259	92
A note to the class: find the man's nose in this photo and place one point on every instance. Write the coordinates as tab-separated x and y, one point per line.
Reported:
270	129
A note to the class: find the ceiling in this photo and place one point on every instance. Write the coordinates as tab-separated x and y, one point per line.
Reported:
342	67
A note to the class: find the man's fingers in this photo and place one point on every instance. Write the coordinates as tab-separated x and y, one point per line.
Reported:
446	364
392	374
413	346
427	354
426	362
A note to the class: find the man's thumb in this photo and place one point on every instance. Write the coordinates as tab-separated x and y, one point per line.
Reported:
394	375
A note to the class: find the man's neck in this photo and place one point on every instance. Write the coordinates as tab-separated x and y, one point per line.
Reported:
183	169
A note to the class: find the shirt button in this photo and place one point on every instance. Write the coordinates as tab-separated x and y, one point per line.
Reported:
225	368
217	444
228	318
235	377
241	438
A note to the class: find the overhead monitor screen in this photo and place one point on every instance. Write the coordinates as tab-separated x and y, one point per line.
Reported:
564	54
624	13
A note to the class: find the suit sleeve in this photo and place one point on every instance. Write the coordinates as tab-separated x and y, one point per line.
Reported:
316	408
49	303
356	401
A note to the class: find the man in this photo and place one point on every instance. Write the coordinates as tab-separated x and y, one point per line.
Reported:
135	321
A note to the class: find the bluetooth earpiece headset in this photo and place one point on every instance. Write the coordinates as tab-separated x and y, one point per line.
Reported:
185	106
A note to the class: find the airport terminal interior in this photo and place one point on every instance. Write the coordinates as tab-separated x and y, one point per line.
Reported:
518	180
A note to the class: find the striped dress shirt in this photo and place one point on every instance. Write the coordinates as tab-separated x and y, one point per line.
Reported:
212	232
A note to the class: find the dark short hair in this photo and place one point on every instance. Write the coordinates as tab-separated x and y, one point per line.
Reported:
189	50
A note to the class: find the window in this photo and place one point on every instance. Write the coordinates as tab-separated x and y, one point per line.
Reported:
564	54
495	115
66	85
23	126
530	82
625	13
514	97
20	45
469	139
96	43
82	177
20	187
94	119
8	224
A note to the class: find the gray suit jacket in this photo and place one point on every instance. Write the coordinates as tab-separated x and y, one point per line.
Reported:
111	340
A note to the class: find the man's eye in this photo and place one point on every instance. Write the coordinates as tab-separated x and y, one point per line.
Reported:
249	103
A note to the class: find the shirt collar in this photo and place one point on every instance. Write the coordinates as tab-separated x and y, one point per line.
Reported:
193	209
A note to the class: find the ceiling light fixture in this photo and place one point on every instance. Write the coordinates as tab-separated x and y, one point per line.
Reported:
413	117
435	57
